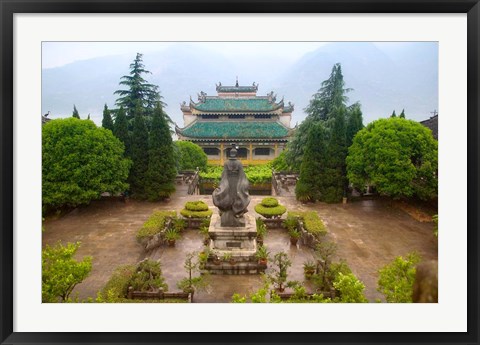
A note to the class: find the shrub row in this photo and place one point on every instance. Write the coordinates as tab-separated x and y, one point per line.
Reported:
196	214
311	222
154	224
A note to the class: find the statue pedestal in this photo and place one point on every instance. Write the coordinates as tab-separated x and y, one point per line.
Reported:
239	243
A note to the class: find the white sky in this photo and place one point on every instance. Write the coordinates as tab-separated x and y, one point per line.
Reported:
56	54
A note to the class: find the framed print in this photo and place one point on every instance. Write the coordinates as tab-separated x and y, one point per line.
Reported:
310	195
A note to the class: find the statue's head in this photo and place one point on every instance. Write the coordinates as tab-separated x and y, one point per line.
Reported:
233	151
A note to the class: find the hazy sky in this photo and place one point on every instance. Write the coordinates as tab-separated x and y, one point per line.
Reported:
55	54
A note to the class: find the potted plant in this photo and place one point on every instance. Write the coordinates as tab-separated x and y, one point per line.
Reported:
294	236
227	257
171	236
262	255
216	257
279	274
204	231
261	231
203	258
309	268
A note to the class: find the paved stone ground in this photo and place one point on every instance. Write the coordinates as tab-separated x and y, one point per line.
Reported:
369	234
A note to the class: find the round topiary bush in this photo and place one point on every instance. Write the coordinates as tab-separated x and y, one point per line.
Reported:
196	209
270	208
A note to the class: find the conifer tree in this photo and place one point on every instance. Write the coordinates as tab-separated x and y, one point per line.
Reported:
161	164
88	116
120	130
402	114
354	122
139	155
393	114
75	112
313	164
107	121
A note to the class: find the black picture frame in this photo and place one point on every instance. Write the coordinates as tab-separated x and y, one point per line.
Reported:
9	7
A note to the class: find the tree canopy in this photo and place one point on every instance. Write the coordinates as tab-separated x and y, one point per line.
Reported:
397	156
107	121
191	156
75	113
79	162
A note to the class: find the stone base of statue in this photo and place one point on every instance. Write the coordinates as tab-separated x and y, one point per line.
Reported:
232	249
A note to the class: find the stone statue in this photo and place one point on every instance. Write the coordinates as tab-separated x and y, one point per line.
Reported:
231	197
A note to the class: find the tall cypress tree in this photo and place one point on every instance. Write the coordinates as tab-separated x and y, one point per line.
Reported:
393	114
354	122
120	130
107	121
139	155
313	164
402	114
161	164
75	113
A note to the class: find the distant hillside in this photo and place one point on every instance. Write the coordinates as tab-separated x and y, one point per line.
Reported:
384	77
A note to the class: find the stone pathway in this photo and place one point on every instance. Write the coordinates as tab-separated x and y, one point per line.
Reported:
369	234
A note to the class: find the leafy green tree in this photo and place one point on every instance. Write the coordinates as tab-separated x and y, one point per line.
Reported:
107	121
61	272
139	155
161	162
313	165
79	162
397	278
75	113
191	156
397	156
279	274
351	289
402	114
280	162
120	130
138	92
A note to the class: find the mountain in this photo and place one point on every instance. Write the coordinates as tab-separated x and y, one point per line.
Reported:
383	76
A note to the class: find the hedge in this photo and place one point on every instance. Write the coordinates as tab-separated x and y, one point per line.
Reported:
311	222
196	206
154	224
269	207
196	209
269	202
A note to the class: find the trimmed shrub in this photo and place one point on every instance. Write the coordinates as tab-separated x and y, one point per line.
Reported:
311	222
270	208
154	224
196	209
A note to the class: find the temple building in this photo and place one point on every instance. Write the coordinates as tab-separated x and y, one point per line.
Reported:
259	125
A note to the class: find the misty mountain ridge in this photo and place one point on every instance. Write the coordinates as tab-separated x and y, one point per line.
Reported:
383	78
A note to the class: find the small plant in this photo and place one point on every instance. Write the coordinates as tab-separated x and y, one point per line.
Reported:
191	282
154	224
279	276
291	222
270	208
262	255
261	230
226	256
294	236
204	231
147	276
435	220
196	209
179	224
236	298
309	268
171	236
203	257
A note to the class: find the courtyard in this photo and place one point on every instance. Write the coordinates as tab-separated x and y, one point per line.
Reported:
369	234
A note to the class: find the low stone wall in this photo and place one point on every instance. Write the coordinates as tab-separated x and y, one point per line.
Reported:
158	295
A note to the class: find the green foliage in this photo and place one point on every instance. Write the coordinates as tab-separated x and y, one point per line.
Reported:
280	162
196	206
312	168
196	209
140	158
75	113
279	274
61	272
269	202
397	156
402	114
350	288
179	224
311	222
138	92
256	174
262	253
393	114
354	122
172	234
161	162
191	156
147	277
120	130
193	282
107	121
261	228
154	224
79	162
236	298
396	279
270	208
116	288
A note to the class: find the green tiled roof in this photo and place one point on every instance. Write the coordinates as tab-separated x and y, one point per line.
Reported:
236	104
235	129
236	88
